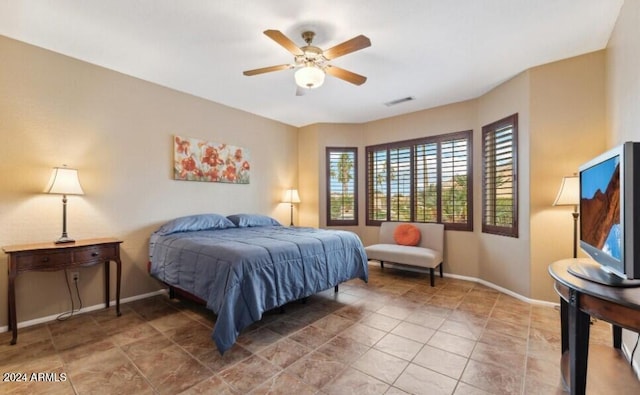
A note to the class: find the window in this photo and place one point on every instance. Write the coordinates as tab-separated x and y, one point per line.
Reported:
342	186
423	180
499	177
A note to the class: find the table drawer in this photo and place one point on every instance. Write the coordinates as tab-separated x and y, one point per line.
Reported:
98	253
44	261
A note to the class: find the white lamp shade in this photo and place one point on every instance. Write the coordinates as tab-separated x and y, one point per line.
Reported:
309	77
291	196
64	181
569	193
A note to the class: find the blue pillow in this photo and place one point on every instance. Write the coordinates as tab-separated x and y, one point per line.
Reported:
249	220
195	222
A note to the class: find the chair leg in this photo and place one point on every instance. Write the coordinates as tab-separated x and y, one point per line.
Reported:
440	269
335	289
431	277
381	264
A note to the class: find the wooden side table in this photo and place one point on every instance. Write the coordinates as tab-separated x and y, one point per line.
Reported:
53	257
579	300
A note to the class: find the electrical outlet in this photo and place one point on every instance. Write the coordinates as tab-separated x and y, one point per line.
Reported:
75	276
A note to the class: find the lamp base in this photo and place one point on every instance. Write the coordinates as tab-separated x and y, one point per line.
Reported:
64	239
291	224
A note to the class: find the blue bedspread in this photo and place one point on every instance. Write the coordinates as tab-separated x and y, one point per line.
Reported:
243	272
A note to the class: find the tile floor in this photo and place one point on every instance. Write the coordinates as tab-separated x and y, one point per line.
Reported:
395	335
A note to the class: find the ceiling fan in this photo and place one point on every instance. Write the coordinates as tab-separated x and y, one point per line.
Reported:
312	62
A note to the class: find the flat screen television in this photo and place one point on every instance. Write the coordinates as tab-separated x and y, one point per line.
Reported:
610	217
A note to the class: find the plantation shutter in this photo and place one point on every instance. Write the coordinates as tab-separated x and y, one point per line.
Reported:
342	186
426	183
422	180
454	179
400	184
377	185
499	196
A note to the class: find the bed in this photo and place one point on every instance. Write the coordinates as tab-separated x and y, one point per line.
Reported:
244	265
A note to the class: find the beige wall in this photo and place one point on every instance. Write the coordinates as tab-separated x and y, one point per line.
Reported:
567	129
504	261
313	141
117	130
309	176
623	94
623	77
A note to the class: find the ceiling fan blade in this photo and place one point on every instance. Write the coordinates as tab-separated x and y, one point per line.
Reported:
347	47
267	69
284	41
346	75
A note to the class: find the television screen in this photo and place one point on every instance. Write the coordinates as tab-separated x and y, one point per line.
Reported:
600	209
609	227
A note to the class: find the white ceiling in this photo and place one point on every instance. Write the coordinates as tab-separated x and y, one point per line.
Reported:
438	51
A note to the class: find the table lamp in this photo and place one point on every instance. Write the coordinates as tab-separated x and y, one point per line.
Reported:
291	196
569	195
64	181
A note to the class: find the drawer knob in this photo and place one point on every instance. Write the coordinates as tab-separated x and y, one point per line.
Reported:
94	254
45	259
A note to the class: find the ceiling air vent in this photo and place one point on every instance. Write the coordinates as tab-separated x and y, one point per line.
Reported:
398	101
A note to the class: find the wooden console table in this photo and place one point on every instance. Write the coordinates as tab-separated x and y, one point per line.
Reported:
53	257
579	300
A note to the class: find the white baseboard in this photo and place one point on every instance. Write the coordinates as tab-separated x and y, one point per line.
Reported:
472	279
504	290
627	353
625	350
100	306
50	318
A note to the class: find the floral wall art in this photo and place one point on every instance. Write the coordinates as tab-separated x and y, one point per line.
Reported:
200	160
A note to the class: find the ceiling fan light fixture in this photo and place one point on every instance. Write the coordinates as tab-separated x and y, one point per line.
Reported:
310	77
312	62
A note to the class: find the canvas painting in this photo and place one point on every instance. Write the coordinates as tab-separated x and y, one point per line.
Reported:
200	160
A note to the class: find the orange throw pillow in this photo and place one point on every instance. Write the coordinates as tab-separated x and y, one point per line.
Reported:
406	235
